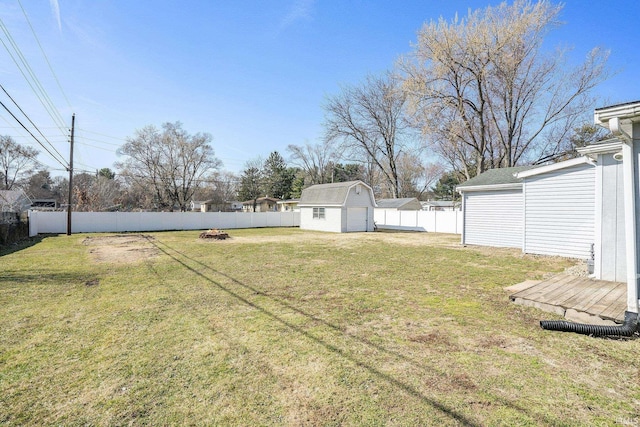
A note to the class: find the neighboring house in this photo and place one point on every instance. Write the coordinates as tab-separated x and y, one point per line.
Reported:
211	206
200	206
263	204
14	201
234	206
289	205
440	205
338	207
404	204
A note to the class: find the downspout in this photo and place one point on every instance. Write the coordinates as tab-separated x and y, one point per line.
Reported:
629	172
631	314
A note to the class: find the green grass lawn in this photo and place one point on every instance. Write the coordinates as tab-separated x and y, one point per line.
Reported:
290	327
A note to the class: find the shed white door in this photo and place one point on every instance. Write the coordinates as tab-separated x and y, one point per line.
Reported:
560	212
493	218
356	219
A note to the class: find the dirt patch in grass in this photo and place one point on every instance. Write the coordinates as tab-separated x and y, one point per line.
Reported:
120	248
351	239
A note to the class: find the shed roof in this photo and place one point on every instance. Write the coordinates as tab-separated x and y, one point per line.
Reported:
398	203
328	194
440	203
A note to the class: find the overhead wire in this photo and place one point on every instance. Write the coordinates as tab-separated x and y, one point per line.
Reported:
35	160
45	56
39	90
30	121
33	136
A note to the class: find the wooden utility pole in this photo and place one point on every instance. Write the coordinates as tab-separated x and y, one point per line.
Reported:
73	123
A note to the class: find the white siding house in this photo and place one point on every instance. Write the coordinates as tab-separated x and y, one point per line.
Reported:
338	207
559	208
547	210
573	209
609	249
572	206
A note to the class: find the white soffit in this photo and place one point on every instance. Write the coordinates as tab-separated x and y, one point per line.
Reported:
622	112
555	166
610	146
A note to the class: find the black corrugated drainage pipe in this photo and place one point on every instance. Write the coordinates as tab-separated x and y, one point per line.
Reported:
627	329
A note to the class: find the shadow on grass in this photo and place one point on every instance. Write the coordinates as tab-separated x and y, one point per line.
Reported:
12	279
409	389
20	245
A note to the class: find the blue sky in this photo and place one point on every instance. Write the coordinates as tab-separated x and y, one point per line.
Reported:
253	74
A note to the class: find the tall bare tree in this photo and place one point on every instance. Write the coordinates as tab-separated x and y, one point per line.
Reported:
417	175
315	160
485	92
16	161
170	162
369	121
221	188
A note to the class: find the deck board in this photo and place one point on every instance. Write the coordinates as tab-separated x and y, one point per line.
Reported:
606	300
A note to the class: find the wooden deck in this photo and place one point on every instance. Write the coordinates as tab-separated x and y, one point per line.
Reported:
576	298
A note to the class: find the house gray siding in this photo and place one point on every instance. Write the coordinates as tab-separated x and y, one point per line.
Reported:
493	218
559	209
611	259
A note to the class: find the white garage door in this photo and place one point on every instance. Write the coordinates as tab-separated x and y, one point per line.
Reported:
493	218
356	219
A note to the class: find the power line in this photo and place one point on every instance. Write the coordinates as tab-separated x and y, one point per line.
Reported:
45	55
40	92
102	134
35	160
100	141
30	121
33	136
94	146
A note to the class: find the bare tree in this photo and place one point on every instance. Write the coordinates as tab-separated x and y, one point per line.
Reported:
417	175
314	160
486	94
171	163
369	121
96	193
220	188
16	161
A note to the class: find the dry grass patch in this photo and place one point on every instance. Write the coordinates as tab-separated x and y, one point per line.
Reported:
287	327
120	248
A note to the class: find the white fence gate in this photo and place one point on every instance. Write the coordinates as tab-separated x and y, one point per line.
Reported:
96	222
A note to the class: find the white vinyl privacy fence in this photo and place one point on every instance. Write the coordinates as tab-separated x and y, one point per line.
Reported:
97	222
114	222
431	221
